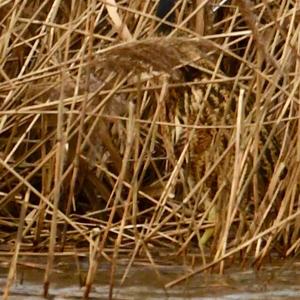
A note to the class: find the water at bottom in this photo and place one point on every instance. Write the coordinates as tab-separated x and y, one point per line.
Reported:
143	282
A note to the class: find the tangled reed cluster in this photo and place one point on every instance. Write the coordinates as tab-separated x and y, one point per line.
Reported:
184	143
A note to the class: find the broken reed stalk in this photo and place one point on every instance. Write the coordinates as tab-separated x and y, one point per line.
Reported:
95	236
13	265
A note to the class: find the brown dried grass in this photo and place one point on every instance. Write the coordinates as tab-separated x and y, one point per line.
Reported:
86	140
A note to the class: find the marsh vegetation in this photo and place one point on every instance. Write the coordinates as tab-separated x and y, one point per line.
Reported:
119	140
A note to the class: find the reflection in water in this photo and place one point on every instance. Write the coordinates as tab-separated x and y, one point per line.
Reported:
143	282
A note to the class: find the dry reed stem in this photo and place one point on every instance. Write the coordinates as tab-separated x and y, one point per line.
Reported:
125	163
59	161
233	205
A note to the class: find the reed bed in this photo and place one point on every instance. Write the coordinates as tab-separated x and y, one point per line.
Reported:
88	157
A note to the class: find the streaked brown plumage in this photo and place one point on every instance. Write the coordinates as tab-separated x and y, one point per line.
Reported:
214	105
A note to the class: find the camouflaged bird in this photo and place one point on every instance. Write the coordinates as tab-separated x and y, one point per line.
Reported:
199	94
205	114
200	105
211	102
210	107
